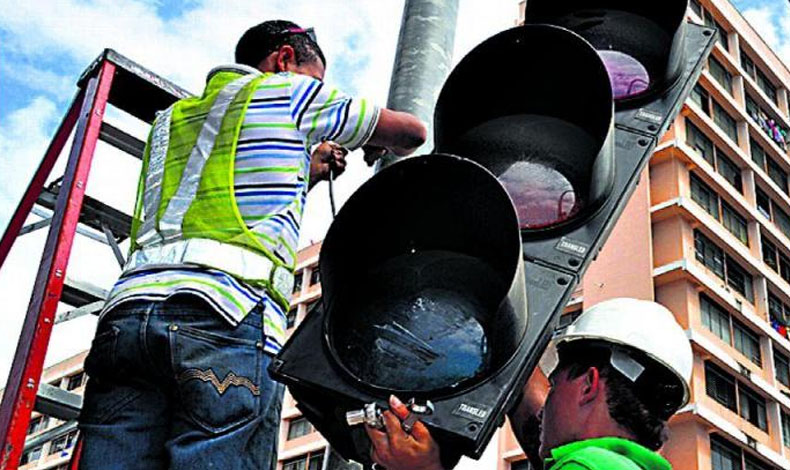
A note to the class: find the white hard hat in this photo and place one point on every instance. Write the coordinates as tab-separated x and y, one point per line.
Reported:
639	324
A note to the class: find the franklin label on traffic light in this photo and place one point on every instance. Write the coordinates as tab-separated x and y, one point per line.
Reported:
444	275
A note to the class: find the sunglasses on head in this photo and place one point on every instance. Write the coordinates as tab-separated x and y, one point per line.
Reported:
309	32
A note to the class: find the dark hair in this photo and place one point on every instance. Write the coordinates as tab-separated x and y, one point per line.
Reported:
642	407
261	40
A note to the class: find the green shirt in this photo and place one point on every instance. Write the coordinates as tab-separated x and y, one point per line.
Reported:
606	453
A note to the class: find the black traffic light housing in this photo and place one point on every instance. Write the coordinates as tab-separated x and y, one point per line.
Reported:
551	110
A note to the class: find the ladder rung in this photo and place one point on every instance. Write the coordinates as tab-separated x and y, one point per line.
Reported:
121	140
51	434
93	213
58	403
79	294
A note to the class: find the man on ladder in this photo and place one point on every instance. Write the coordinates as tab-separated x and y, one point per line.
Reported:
178	366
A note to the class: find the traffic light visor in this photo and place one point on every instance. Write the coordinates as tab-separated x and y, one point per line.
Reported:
541	122
419	275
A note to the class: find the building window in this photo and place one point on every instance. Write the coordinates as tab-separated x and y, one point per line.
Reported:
63	443
700	142
746	342
775	259
298	278
703	195
769	254
786	429
724	456
739	279
30	456
759	77
781	219
696	7
771	211
777	175
721	38
720	386
753	408
290	318
305	462
75	381
709	254
754	464
725	121
758	154
701	97
315	276
721	74
713	155
763	203
715	319
56	383
774	171
39	423
714	258
299	427
729	170
734	223
723	388
568	318
770	125
730	330
782	368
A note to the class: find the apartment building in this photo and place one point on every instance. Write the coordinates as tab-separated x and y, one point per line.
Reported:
50	441
711	213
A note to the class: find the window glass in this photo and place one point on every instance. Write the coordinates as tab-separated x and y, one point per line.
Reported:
725	121
699	142
715	319
745	341
703	195
752	407
729	170
720	386
720	74
735	223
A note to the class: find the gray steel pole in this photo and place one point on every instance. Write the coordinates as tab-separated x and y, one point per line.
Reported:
422	62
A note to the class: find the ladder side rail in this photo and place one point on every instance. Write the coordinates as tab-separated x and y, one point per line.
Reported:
20	394
40	177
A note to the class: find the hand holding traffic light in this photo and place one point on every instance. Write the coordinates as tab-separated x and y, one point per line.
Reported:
395	449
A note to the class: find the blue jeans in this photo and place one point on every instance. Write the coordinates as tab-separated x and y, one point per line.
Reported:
173	386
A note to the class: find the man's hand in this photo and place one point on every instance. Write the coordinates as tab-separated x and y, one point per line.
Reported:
394	449
373	153
327	156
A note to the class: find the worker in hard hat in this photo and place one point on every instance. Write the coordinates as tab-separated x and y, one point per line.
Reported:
615	376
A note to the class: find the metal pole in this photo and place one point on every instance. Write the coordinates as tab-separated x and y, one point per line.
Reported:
422	62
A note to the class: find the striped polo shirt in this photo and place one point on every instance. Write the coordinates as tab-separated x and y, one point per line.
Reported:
287	115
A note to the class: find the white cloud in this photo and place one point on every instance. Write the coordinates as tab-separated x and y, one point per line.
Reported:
772	23
69	34
23	140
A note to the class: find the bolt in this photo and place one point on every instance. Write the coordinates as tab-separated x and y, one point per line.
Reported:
58	273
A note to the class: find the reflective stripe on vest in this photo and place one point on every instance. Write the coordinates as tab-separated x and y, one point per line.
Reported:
240	262
170	223
160	141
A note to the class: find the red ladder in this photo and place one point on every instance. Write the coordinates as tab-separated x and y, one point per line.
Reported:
111	79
